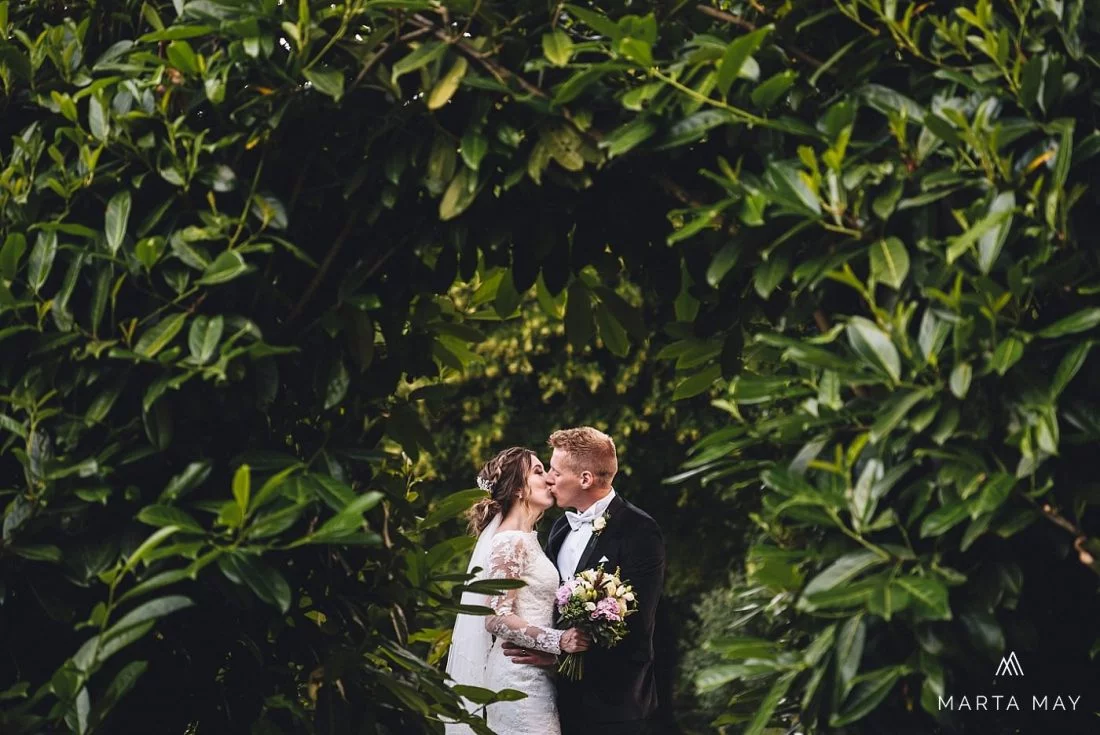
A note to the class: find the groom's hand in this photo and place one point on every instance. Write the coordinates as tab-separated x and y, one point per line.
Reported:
530	657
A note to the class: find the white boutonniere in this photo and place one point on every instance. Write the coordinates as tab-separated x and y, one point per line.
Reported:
600	524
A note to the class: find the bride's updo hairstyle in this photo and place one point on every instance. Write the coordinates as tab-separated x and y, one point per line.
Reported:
500	477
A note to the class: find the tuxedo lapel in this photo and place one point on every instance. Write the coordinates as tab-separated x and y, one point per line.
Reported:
558	532
613	512
582	563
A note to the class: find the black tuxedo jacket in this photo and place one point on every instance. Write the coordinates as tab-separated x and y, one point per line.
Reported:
618	684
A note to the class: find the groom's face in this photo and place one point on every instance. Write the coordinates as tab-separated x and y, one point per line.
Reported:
566	484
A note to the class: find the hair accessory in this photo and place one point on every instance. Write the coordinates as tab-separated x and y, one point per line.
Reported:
486	485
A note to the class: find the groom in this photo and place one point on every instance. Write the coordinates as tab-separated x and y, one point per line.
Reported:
617	693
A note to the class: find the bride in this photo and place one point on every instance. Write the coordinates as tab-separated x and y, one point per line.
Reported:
518	492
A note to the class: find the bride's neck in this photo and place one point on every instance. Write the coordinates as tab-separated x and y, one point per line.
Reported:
518	520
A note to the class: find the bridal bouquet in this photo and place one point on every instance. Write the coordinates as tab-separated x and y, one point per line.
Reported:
597	603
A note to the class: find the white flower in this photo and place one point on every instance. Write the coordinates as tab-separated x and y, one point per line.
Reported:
590	606
620	591
599	524
629	597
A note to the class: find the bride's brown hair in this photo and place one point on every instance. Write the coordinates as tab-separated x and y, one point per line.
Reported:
504	474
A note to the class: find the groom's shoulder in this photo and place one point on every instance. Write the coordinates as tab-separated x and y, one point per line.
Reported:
639	516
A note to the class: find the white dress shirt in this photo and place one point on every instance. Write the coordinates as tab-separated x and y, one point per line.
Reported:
569	555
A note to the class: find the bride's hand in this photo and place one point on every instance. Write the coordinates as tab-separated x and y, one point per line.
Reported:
520	655
574	641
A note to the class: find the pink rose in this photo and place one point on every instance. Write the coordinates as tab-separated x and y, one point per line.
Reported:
607	609
565	592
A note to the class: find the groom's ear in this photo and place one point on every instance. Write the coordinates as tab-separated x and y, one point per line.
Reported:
586	479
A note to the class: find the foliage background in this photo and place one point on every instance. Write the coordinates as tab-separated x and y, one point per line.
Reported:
274	278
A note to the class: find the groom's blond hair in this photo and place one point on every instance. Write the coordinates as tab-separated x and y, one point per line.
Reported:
589	449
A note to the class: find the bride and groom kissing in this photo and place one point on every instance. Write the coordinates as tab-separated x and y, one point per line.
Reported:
518	646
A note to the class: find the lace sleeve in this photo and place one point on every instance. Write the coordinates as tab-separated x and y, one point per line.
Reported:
508	559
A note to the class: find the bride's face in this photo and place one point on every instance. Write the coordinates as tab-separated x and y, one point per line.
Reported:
538	487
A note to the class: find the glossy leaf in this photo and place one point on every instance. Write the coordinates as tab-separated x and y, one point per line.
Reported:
874	346
329	82
557	47
889	262
117	219
740	49
158	336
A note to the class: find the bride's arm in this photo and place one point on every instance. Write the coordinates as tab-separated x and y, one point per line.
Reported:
507	560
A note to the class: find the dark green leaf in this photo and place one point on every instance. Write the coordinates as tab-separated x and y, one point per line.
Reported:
628	136
994	493
15	245
874	346
425	54
943	520
117	219
1069	366
740	49
769	92
451	507
157	337
769	274
868	692
557	47
596	21
166	515
147	611
960	379
578	316
889	262
611	332
1007	354
723	262
41	259
771	700
928	596
993	239
694	127
697	383
843	571
893	412
1080	321
849	649
337	381
228	265
447	85
203	337
268	584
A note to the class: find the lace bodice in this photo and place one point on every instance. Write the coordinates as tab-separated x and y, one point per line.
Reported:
524	616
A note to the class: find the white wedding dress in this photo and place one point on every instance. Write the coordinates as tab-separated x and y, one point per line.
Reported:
524	616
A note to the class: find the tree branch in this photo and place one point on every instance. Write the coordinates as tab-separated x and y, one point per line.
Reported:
377	56
740	22
502	74
325	265
678	192
1085	547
